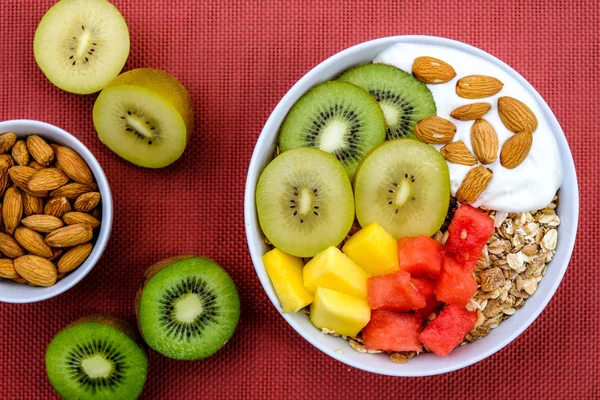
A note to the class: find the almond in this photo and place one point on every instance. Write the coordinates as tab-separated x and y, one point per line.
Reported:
10	247
42	223
515	150
96	213
7	141
33	242
36	270
32	205
72	218
7	269
432	70
474	184
12	209
74	258
47	179
4	181
35	165
457	153
73	190
435	130
478	86
470	112
40	150
516	116
6	162
20	153
87	202
21	176
57	207
484	141
70	236
73	165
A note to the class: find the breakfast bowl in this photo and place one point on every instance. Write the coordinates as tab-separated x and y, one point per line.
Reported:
12	292
523	315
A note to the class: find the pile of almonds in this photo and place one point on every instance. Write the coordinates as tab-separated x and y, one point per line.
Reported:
50	209
515	115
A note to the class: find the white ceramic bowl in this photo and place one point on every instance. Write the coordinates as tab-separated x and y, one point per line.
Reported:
12	292
427	364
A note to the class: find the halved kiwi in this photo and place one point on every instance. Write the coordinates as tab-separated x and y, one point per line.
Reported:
404	186
403	99
304	202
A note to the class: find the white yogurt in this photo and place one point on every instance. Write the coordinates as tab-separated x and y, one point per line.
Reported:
532	185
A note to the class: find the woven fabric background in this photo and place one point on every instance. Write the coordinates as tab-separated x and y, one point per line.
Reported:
238	58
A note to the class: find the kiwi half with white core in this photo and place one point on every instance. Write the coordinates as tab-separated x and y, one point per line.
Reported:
304	202
81	45
187	307
404	186
146	116
403	99
98	358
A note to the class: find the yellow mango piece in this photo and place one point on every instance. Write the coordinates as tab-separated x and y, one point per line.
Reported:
332	269
374	250
285	272
339	312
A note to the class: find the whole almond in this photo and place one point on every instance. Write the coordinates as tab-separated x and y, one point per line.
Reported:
435	130
40	150
74	258
36	270
470	112
34	164
7	141
32	205
47	179
515	150
6	162
87	202
457	153
7	269
474	184
10	247
70	236
21	176
73	218
73	165
73	190
516	116
484	141
33	242
57	207
20	153
4	181
478	86
12	209
42	223
432	70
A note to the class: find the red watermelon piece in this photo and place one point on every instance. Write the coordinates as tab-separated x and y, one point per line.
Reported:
468	233
425	287
389	331
456	285
448	329
420	256
394	292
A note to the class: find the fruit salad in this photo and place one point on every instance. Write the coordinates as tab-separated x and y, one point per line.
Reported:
411	203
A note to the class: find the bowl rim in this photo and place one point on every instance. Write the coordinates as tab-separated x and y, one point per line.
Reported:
273	123
68	139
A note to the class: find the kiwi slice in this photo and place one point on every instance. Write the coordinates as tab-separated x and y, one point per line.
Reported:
187	307
81	45
336	117
97	357
404	186
403	99
304	202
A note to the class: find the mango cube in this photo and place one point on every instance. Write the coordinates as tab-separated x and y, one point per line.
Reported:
339	312
374	250
285	272
332	269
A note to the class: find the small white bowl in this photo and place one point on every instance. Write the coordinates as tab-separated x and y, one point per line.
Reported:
426	364
11	292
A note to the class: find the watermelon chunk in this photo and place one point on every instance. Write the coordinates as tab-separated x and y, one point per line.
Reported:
420	256
425	287
448	329
389	331
394	292
468	233
456	285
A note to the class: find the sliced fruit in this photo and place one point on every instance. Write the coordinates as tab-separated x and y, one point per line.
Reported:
404	186
336	117
456	284
394	292
97	357
403	99
389	331
81	45
339	312
374	250
332	269
187	307
448	329
468	233
304	202
425	287
420	256
285	272
146	116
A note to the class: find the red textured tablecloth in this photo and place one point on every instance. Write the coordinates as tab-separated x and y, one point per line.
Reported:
238	58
